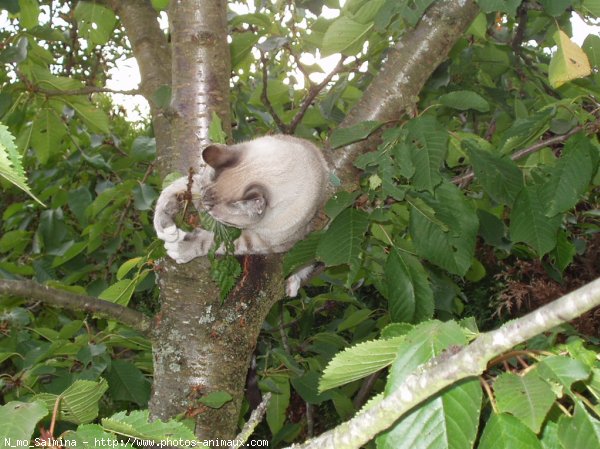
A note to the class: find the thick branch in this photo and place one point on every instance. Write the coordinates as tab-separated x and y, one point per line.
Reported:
408	66
64	299
447	370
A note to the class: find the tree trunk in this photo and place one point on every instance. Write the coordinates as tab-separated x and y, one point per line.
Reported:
202	344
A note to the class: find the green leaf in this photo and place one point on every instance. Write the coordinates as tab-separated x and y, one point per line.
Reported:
47	133
30	11
507	6
215	130
96	23
78	403
143	148
127	266
18	420
412	11
354	319
428	147
144	196
500	177
526	397
280	400
345	36
241	47
137	425
563	370
11	167
344	136
408	291
529	223
359	361
73	251
94	118
568	63
591	46
582	431
303	253
564	251
556	7
341	243
88	435
507	432
465	99
449	240
570	176
446	420
120	292
216	399
127	383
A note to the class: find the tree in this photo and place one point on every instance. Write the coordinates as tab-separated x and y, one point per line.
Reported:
420	234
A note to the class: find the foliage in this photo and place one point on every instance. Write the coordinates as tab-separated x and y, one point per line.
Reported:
484	201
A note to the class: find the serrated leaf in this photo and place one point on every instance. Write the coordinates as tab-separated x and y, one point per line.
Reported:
526	397
341	243
354	319
241	46
582	431
78	403
428	147
570	176
94	118
344	136
11	167
446	420
507	432
409	294
344	36
359	361
500	177
568	63
73	251
216	399
464	100
88	435
564	370
18	419
529	223
137	425
452	245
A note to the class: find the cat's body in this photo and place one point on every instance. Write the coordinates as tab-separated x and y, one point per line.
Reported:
270	188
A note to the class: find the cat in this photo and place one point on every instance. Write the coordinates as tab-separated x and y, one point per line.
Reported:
270	188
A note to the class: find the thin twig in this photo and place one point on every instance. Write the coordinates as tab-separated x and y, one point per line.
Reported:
265	97
462	180
255	418
31	290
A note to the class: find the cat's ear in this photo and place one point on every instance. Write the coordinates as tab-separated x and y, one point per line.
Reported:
254	201
220	156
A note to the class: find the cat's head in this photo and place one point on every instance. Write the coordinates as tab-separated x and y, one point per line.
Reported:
233	196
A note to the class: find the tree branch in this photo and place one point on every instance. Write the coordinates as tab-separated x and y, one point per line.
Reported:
87	90
449	368
265	97
408	66
60	298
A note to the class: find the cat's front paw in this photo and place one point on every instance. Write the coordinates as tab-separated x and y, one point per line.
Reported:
189	245
170	234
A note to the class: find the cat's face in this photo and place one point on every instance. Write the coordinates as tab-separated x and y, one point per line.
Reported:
232	197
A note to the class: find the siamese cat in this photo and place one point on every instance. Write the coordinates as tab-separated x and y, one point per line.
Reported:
270	188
